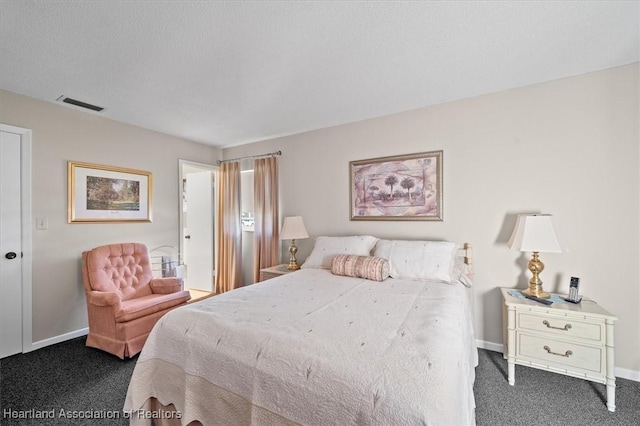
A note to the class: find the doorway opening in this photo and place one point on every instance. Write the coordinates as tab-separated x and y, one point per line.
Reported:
198	208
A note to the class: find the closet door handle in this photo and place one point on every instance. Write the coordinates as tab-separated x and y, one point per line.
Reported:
187	237
11	255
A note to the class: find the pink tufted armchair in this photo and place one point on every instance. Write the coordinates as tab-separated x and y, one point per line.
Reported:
124	301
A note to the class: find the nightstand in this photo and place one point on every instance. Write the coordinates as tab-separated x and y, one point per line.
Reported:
274	271
566	338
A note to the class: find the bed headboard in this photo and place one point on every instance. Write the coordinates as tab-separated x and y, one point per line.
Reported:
466	253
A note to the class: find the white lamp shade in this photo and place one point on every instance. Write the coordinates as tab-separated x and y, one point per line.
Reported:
535	232
293	229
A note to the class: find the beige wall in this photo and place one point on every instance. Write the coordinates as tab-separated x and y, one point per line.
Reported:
568	147
62	134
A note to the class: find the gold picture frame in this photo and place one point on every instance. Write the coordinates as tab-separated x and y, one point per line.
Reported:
99	193
402	187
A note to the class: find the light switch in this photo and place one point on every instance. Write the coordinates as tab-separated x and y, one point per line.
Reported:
42	223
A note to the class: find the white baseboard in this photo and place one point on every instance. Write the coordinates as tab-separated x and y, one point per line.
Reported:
623	373
490	346
57	339
628	374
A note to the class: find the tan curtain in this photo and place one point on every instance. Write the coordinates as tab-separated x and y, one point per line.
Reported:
228	229
266	235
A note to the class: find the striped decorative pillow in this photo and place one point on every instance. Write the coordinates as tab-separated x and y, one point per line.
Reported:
368	267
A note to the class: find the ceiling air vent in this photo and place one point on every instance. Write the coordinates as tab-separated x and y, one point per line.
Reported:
78	103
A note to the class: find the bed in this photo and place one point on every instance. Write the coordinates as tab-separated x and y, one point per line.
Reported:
322	346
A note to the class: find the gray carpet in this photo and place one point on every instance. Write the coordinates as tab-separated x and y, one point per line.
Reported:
71	380
544	398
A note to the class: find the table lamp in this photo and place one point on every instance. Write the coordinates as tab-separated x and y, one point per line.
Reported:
536	233
293	229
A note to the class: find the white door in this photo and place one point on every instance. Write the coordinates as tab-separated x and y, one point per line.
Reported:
198	238
10	245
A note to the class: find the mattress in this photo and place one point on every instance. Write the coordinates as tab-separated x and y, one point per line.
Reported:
312	348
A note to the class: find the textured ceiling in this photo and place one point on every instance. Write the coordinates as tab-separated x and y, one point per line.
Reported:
227	73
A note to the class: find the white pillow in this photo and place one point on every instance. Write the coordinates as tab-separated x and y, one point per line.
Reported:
418	260
326	248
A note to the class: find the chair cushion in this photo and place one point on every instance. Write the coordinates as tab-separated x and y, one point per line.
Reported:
147	305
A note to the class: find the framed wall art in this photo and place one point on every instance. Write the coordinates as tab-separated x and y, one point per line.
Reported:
403	187
98	193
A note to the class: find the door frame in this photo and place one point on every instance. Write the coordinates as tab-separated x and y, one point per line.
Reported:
26	225
182	164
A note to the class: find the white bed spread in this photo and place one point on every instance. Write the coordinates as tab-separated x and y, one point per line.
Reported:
313	348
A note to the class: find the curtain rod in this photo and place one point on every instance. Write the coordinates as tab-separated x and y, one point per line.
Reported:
271	154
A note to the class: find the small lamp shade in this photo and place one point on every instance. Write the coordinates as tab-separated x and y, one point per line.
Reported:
293	229
536	232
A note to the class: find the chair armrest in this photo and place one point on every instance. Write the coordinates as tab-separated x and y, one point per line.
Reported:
104	298
166	285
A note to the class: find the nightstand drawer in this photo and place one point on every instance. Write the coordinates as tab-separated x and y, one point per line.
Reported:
562	326
553	352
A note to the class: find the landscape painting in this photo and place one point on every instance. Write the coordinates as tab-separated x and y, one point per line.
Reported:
99	193
112	194
404	187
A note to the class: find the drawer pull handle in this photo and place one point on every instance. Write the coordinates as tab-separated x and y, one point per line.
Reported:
566	354
565	328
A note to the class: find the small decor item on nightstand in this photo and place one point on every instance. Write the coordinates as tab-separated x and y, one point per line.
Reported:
536	233
538	299
293	229
573	296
